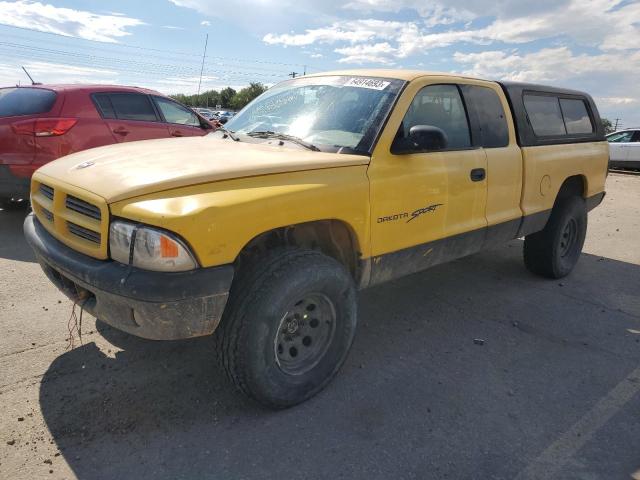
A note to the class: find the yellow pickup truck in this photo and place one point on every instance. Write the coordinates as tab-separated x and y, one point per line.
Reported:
263	231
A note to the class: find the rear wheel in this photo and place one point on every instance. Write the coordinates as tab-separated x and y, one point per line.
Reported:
554	251
288	326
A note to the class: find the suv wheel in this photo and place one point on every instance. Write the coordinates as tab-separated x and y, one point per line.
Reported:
288	326
554	251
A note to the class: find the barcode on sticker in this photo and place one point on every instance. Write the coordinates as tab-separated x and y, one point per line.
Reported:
371	83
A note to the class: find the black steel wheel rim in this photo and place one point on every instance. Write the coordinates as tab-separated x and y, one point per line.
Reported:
305	333
569	237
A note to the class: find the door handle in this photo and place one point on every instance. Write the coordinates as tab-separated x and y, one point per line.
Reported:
478	174
121	131
177	133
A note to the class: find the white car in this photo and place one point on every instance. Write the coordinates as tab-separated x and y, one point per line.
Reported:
624	148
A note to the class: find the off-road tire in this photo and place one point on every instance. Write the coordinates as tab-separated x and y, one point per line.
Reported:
260	300
555	250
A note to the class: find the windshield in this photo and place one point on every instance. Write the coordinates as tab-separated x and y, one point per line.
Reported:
333	113
620	137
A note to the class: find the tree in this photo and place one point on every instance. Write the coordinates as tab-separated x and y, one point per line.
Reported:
225	97
608	126
246	95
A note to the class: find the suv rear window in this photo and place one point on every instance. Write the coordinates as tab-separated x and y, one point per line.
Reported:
125	106
25	101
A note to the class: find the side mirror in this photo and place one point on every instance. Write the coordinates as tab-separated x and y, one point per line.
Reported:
422	138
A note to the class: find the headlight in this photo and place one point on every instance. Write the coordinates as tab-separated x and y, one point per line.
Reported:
152	249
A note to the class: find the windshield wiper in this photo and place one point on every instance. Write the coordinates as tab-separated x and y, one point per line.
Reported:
228	133
283	136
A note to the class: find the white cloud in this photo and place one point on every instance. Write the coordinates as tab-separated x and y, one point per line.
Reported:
172	27
548	65
605	24
611	77
205	23
375	53
66	21
432	13
344	31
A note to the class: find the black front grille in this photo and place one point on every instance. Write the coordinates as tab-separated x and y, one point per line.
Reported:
85	208
85	233
47	191
47	214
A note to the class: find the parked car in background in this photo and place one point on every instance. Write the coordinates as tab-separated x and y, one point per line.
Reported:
624	148
224	116
41	123
205	112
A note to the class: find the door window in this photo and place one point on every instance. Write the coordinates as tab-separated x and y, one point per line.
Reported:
175	113
491	119
126	106
438	106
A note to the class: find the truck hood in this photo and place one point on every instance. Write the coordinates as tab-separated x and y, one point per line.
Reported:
122	171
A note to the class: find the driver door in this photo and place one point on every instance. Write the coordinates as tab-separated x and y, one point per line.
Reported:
426	206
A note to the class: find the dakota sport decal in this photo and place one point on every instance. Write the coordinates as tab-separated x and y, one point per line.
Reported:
410	216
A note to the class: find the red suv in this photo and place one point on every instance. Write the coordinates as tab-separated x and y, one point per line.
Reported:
43	122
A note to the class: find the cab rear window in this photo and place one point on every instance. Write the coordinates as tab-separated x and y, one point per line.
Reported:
25	101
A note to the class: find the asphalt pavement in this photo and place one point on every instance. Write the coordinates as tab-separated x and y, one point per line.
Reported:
475	369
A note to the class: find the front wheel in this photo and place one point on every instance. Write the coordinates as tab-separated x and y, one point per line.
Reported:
554	251
288	326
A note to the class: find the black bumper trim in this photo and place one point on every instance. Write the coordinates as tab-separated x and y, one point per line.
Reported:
156	305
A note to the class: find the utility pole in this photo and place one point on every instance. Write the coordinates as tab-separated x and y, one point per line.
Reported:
615	128
304	72
204	55
294	74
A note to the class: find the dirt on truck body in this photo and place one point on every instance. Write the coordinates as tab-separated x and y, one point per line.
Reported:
263	231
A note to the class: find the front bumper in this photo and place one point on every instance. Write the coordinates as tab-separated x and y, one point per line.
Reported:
154	305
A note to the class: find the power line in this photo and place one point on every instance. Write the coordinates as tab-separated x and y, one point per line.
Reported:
123	64
163	51
236	64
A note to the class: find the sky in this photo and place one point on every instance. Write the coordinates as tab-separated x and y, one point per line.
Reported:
581	44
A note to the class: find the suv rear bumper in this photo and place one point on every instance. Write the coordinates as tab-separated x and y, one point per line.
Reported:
153	305
12	186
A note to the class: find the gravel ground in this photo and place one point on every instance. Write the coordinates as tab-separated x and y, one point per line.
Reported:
551	393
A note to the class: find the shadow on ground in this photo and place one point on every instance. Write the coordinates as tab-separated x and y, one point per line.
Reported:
417	397
13	246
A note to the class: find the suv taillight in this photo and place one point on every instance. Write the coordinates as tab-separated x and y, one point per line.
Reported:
44	127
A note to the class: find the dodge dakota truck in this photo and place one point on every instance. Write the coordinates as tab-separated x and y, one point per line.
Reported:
264	230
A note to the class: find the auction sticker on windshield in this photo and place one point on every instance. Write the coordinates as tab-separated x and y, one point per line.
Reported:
371	83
